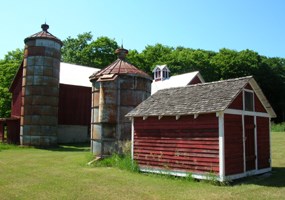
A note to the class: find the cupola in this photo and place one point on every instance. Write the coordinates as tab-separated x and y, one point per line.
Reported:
161	72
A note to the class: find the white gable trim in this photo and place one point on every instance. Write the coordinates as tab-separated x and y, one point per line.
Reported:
262	98
243	112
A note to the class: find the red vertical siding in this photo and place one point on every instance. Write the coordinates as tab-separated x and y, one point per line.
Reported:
249	143
74	105
248	87
195	80
263	143
13	131
2	130
186	144
237	103
16	90
258	105
233	144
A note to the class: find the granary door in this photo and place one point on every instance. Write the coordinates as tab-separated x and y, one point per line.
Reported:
249	143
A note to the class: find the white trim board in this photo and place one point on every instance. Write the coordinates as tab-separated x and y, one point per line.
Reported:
221	147
132	139
242	112
206	176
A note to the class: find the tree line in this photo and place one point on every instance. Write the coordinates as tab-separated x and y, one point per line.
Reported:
269	72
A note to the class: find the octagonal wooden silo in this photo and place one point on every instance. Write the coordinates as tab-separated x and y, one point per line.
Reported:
117	89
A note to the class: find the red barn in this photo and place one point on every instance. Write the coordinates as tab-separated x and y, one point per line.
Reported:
74	110
220	128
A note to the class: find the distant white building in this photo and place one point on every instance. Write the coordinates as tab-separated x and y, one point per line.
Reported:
162	80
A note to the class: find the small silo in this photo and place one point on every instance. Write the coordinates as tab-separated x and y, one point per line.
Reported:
117	89
40	89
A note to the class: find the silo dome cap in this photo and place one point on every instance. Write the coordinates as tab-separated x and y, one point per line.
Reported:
44	34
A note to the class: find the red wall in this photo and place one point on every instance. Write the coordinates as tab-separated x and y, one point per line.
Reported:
195	80
233	144
237	103
13	131
16	90
74	105
186	144
263	143
258	106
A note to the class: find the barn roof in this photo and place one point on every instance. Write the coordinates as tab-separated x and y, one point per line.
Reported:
119	66
71	74
175	81
197	99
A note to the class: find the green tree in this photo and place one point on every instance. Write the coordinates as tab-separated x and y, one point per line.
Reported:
83	50
188	60
8	68
271	78
154	55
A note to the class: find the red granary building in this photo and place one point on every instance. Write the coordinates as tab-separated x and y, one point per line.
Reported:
220	128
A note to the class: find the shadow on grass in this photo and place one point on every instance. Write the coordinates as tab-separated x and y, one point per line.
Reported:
275	178
70	147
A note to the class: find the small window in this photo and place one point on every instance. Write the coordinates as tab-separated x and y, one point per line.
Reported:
165	74
248	101
157	74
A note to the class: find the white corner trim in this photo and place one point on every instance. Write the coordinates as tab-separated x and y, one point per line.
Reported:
177	117
145	117
159	117
195	116
132	138
221	148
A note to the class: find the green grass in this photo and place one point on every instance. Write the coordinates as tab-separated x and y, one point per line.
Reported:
123	162
278	127
4	146
62	173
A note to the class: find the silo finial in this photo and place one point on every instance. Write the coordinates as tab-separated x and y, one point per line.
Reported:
121	52
45	27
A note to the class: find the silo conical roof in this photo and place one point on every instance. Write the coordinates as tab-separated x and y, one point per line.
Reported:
44	34
120	66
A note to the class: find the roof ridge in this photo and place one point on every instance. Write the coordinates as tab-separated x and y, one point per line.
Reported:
226	80
209	83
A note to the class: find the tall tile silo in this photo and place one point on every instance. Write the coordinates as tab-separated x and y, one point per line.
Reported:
117	89
40	89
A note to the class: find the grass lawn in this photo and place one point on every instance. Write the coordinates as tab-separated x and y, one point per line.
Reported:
62	173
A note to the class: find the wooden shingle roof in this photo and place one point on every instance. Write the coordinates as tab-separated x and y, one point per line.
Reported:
196	99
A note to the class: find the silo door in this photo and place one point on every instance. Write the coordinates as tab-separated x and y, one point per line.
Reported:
249	143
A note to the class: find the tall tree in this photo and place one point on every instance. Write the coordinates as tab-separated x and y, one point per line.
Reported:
83	50
155	55
8	69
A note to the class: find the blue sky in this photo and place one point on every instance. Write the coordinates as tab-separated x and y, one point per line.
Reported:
206	24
